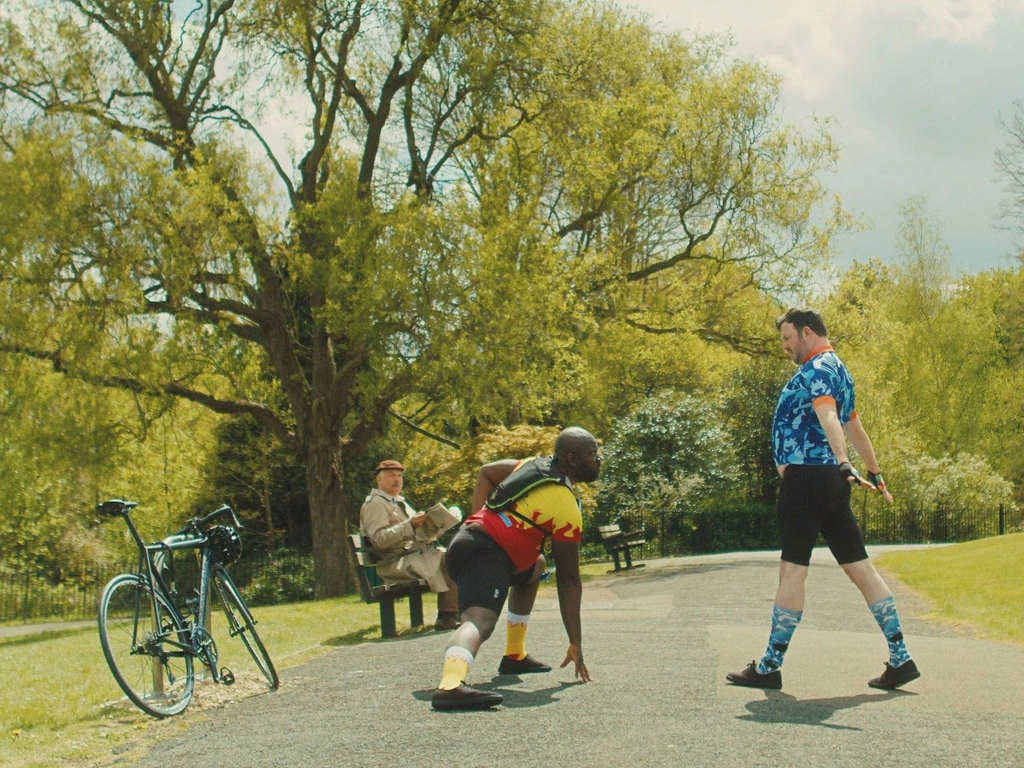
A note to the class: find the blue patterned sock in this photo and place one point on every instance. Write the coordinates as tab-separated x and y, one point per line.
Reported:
888	620
784	623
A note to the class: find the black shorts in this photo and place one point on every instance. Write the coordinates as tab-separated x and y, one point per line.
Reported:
482	571
815	498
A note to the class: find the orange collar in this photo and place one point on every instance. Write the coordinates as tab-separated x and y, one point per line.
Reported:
816	352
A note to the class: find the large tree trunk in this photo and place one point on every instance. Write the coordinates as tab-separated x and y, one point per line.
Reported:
331	567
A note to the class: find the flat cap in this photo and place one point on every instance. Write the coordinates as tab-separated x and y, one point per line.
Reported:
389	464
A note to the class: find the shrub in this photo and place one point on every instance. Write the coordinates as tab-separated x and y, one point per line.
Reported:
669	457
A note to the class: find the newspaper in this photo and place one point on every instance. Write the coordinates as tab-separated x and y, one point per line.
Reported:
441	518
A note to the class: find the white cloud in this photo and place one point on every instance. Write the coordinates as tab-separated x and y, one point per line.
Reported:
915	88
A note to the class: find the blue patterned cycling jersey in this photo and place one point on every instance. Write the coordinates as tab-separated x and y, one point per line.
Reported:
797	435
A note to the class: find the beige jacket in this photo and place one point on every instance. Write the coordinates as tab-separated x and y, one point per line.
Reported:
402	554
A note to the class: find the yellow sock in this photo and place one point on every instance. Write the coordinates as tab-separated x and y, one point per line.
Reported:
456	666
515	635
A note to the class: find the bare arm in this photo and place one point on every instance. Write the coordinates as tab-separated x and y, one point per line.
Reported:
489	477
862	444
570	595
836	434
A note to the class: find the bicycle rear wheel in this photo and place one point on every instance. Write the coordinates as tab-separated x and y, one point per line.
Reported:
147	661
242	625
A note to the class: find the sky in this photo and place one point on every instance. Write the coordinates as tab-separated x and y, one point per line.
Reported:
916	89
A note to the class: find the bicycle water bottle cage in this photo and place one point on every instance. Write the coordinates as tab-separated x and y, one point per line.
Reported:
226	544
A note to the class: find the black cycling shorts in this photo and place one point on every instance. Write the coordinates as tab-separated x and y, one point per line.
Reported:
815	498
482	571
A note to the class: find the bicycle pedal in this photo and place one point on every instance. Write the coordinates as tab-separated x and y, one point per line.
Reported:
227	677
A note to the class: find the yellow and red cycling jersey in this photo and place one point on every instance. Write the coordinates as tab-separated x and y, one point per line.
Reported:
555	512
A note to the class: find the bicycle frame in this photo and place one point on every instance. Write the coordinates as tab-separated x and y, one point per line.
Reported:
147	556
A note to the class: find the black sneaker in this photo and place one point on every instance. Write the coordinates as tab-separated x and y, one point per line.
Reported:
751	678
465	697
894	677
523	666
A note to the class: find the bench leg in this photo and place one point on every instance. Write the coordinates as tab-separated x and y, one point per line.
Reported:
615	557
416	609
387	617
629	560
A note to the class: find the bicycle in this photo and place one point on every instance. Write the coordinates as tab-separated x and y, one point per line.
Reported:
149	640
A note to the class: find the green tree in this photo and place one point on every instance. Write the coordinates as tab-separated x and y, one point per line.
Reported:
669	458
748	405
927	343
64	446
250	470
474	186
1010	166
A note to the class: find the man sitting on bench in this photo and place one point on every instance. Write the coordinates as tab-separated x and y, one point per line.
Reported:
400	537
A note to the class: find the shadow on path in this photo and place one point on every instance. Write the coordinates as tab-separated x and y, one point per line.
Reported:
514	699
779	707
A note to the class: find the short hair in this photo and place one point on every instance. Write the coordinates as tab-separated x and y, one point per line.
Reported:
572	440
802	317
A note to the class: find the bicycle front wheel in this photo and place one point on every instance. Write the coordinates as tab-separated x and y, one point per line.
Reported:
242	625
146	659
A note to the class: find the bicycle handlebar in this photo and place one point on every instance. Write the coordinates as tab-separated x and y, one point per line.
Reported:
200	523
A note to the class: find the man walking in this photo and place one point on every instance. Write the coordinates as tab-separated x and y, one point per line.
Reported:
814	417
519	504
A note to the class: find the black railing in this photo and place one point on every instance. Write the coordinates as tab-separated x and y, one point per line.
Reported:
263	579
287	577
753	527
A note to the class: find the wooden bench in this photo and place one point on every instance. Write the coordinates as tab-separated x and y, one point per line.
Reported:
374	589
616	542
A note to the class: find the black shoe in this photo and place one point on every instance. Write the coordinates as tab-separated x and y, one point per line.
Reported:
465	697
894	677
523	666
751	678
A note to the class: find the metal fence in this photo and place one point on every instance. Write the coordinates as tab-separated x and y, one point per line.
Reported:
753	527
890	525
263	579
287	576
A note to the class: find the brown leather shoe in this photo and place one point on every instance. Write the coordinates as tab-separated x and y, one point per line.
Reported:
446	622
464	697
751	678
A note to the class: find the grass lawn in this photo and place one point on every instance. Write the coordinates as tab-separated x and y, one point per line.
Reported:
59	704
978	583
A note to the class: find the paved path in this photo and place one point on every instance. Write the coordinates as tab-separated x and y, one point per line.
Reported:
659	642
17	630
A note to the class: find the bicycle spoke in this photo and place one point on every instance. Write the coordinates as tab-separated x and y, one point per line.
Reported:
145	660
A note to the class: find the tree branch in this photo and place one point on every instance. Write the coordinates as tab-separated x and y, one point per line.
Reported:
416	428
227	407
755	346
